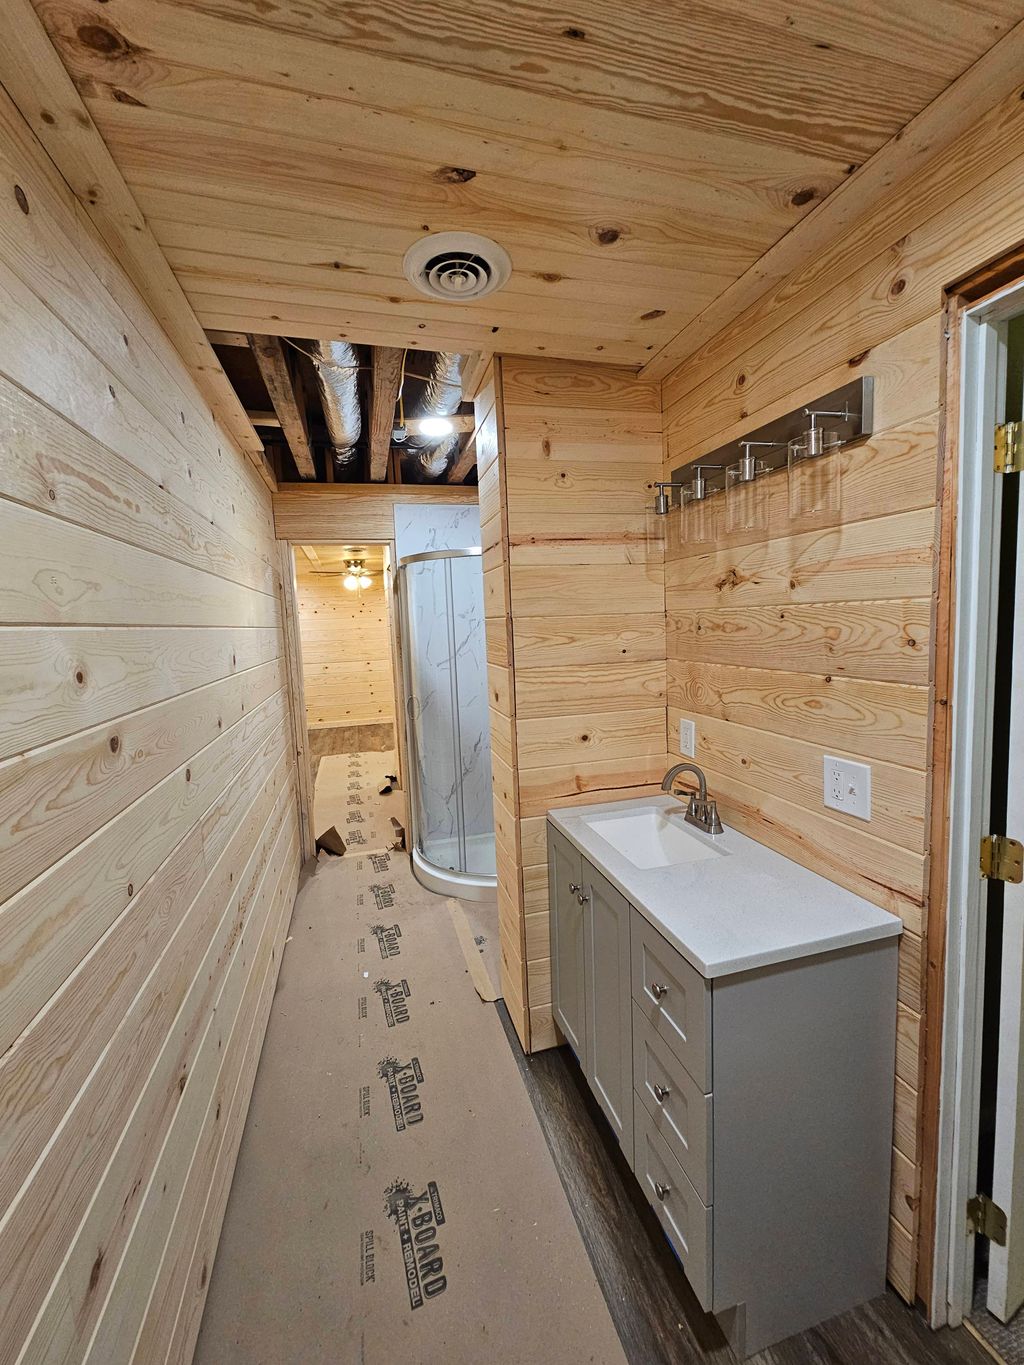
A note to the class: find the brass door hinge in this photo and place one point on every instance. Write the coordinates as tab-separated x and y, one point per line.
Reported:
1002	859
1009	448
986	1219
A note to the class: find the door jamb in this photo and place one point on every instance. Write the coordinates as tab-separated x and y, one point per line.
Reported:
961	773
297	700
293	649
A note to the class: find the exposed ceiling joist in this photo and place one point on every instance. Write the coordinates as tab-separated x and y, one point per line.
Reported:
387	380
263	419
473	371
236	339
465	462
286	397
310	552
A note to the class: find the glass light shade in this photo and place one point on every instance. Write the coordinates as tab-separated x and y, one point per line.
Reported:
350	581
814	475
365	580
656	525
746	500
699	521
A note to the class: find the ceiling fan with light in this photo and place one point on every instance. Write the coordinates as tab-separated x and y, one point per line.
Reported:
356	575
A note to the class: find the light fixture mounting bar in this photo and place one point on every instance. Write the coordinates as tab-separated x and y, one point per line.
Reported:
855	399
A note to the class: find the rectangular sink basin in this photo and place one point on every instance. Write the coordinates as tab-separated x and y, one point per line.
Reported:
653	837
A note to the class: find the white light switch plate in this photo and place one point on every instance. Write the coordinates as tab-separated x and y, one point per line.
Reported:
688	738
847	786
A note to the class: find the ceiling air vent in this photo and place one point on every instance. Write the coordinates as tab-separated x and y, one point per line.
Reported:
457	266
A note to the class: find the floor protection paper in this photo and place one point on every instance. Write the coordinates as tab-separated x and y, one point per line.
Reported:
394	1198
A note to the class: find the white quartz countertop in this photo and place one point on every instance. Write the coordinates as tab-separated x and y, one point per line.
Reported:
749	908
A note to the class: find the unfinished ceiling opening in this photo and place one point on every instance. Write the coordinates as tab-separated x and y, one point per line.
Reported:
335	412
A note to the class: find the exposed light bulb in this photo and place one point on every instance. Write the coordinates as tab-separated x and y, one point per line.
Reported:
350	581
436	426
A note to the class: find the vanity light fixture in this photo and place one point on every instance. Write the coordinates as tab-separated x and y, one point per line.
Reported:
356	577
698	516
800	441
656	520
746	494
814	482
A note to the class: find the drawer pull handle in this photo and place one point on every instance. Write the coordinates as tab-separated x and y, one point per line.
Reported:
573	889
661	1093
662	1191
658	990
582	899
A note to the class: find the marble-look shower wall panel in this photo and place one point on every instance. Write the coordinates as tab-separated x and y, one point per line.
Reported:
449	667
471	684
435	526
433	705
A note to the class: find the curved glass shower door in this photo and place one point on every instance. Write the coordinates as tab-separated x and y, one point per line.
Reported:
447	722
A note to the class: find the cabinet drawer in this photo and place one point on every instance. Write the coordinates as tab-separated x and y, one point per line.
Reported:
673	997
678	1108
681	1211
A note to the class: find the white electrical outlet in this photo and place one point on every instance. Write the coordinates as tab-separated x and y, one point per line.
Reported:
688	738
847	786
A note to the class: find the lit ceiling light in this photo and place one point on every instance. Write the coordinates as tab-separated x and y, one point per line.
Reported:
436	426
356	577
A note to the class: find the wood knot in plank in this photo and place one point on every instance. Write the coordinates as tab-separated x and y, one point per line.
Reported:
106	41
454	175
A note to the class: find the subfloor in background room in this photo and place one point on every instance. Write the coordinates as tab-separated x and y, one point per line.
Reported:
394	1198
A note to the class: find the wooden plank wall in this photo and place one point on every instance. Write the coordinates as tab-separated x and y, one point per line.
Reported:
576	625
785	647
148	821
346	650
353	511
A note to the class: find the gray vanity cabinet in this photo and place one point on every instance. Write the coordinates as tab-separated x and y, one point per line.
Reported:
609	1065
590	944
754	1105
565	888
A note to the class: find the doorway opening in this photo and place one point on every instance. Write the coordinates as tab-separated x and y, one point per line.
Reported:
979	1265
350	678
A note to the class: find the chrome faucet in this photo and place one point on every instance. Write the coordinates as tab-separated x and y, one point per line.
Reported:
699	810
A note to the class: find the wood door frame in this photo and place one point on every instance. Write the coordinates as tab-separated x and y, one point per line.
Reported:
955	944
297	699
293	649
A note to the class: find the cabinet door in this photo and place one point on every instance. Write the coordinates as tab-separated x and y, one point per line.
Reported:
567	964
609	1011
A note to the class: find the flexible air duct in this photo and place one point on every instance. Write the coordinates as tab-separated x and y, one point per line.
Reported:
337	370
441	397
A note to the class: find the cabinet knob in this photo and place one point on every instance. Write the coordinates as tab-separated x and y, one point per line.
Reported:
658	990
662	1191
573	889
661	1093
582	899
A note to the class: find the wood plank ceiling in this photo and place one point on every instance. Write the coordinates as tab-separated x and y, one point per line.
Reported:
634	160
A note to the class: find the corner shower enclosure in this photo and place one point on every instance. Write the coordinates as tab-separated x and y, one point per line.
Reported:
447	722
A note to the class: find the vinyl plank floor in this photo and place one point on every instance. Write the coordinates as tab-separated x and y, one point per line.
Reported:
657	1317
